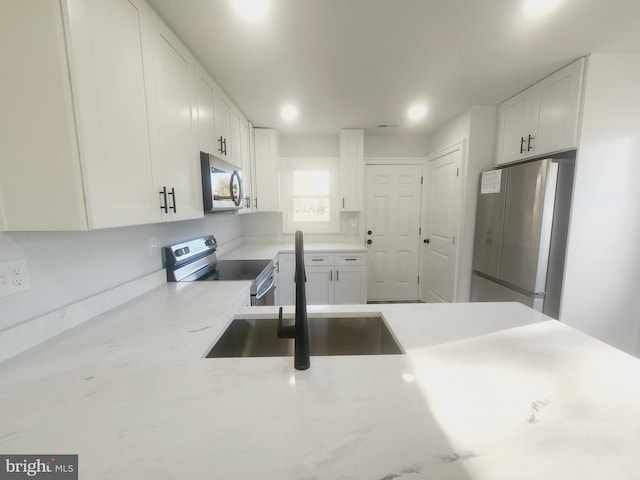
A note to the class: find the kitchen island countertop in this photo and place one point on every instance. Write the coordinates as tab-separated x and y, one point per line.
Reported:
484	391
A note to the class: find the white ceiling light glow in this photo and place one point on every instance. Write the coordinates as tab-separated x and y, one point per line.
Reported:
417	112
251	10
289	112
537	8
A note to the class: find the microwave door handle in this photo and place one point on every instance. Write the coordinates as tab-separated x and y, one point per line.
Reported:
236	199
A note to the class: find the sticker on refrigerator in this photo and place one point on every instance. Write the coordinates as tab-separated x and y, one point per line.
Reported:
491	181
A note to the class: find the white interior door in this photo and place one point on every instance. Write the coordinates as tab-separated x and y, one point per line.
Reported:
392	231
442	225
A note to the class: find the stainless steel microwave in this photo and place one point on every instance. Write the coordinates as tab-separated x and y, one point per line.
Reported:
221	184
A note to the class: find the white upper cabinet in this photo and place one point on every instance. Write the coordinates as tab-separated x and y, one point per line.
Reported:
266	171
243	149
223	121
98	125
172	84
79	154
542	119
351	170
205	88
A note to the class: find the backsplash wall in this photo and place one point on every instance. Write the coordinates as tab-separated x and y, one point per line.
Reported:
65	267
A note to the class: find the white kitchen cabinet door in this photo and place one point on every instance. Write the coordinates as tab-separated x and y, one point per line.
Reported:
223	119
559	99
350	286
78	116
351	170
175	130
543	119
513	125
244	149
205	87
266	171
319	286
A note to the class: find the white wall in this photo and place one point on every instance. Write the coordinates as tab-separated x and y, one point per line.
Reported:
309	145
476	128
602	272
395	145
65	267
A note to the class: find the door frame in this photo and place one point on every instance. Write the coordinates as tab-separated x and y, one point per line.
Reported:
424	162
459	145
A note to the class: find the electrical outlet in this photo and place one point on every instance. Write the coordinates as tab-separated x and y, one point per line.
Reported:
14	277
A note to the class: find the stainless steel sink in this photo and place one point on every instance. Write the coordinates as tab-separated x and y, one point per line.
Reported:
256	337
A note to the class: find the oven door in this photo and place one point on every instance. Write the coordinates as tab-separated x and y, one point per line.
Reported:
266	292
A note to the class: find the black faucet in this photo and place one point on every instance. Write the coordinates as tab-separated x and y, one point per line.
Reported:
299	331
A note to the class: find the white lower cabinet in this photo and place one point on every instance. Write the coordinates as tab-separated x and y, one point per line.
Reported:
332	278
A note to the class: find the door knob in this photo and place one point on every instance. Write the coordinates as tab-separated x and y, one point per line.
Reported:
369	232
369	242
426	240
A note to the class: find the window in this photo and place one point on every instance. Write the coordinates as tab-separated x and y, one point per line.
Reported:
309	203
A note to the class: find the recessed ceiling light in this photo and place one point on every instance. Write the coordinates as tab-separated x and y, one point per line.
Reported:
536	8
289	112
251	10
417	112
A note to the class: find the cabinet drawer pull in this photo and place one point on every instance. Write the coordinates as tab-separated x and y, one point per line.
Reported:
316	259
163	195
529	147
337	275
350	259
522	140
331	275
172	193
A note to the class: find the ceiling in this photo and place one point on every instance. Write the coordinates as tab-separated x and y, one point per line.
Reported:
361	63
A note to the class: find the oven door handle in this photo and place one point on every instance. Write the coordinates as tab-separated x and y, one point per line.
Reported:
266	290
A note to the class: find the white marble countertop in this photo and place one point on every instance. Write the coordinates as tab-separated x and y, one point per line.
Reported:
267	251
484	391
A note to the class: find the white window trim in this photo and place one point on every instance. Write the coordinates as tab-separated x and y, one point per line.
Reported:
287	166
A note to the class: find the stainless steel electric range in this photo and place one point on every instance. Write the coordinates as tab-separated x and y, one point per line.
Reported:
195	261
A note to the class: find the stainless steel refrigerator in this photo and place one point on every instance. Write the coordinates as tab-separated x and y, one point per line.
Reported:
521	234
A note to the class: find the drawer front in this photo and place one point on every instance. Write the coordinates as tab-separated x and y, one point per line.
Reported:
351	258
311	259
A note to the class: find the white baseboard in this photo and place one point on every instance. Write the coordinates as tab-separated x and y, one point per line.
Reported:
30	333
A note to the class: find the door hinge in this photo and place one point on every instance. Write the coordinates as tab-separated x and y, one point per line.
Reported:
421	180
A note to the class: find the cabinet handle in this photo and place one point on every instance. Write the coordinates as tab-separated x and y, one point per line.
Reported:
337	275
224	143
163	195
172	193
331	275
529	147
522	140
350	259
316	259
342	202
247	202
255	203
221	149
